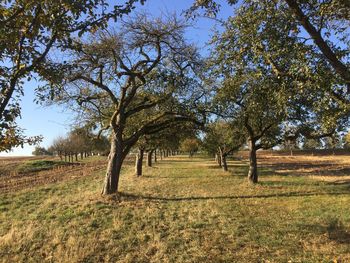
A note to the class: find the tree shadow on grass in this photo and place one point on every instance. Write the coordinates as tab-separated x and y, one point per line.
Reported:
131	197
334	229
171	177
167	161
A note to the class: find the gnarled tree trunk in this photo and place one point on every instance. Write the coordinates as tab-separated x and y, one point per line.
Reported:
218	159
115	161
253	167
149	158
223	162
138	163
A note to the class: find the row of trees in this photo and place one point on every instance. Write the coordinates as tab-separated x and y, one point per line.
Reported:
273	84
275	74
79	142
168	142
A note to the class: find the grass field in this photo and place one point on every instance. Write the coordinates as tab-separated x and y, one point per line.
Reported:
186	210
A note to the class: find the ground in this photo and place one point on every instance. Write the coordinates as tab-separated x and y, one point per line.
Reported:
183	210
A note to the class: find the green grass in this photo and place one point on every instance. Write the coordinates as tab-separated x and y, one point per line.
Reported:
181	210
39	165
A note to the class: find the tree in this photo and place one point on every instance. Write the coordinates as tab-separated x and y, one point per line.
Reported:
312	144
268	80
166	140
222	139
147	68
326	23
333	142
249	94
58	147
29	30
40	151
190	145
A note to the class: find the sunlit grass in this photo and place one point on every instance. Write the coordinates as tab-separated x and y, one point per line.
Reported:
181	210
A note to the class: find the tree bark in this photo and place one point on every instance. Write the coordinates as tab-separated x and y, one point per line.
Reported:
115	161
219	159
223	162
253	167
138	163
149	158
155	156
161	154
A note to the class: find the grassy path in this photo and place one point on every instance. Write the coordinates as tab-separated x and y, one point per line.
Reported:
181	210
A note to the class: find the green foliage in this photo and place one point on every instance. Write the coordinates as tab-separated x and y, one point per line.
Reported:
39	165
333	142
190	145
29	31
39	151
272	79
224	137
80	140
346	140
312	144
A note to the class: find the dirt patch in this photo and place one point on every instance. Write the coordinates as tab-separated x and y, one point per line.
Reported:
11	182
14	183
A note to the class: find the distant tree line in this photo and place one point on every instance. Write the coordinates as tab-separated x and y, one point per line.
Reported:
77	144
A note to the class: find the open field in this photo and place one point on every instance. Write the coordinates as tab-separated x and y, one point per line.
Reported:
185	210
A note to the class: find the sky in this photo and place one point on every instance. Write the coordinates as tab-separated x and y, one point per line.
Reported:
54	121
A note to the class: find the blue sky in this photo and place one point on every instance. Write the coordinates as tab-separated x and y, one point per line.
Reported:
51	122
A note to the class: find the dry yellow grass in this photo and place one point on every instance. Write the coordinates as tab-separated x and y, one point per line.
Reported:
184	210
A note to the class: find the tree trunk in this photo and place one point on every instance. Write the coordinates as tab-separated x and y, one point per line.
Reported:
138	162
155	156
149	158
253	168
161	154
224	162
76	157
115	161
218	156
